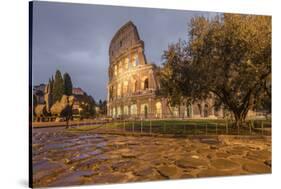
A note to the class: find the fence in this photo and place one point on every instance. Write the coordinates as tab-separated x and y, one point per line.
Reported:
73	123
187	127
175	126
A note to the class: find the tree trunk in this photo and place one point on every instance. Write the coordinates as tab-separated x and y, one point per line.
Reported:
238	121
67	122
240	118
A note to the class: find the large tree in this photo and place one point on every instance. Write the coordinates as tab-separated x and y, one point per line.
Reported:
51	87
92	106
227	57
58	86
67	84
103	107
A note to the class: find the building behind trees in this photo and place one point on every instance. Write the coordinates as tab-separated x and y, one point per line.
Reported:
134	83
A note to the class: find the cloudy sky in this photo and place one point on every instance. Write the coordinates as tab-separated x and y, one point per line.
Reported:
75	38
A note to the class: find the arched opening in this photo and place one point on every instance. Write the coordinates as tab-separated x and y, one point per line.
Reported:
199	109
126	111
113	112
119	90
145	111
119	111
111	93
134	109
206	110
135	60
145	86
158	109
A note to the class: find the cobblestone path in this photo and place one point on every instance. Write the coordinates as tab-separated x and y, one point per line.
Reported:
62	158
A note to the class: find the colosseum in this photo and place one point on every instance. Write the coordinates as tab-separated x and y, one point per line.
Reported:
133	83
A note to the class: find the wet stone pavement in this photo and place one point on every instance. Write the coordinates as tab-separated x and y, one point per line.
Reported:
62	158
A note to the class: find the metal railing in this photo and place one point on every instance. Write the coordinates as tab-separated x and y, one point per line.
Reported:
187	127
173	126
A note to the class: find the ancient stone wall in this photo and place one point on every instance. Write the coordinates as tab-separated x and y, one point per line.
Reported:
133	84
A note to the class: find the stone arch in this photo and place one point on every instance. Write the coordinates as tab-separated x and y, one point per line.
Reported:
134	109
134	60
119	90
113	112
126	111
119	113
158	109
199	109
144	110
111	92
145	84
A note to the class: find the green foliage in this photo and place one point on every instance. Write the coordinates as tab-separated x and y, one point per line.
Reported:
58	86
175	75
34	103
51	86
67	112
87	105
92	106
227	58
103	107
67	84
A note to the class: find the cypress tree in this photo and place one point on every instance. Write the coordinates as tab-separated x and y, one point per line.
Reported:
51	88
67	84
51	81
58	86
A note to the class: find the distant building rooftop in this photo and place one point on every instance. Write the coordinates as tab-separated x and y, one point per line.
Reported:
39	88
77	91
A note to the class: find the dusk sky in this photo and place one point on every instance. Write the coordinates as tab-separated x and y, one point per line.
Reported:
75	38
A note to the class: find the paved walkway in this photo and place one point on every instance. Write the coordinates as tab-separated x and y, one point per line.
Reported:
62	158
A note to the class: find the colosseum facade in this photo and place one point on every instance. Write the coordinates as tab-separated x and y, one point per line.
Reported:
133	83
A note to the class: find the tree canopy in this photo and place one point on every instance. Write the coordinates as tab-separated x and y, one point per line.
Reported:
58	86
67	84
227	57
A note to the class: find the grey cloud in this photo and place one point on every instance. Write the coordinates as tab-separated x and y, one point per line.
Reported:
75	39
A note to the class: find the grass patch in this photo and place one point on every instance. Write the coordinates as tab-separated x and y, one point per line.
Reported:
186	127
83	128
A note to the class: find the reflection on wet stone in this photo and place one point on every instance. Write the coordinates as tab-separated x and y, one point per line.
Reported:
62	158
168	171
